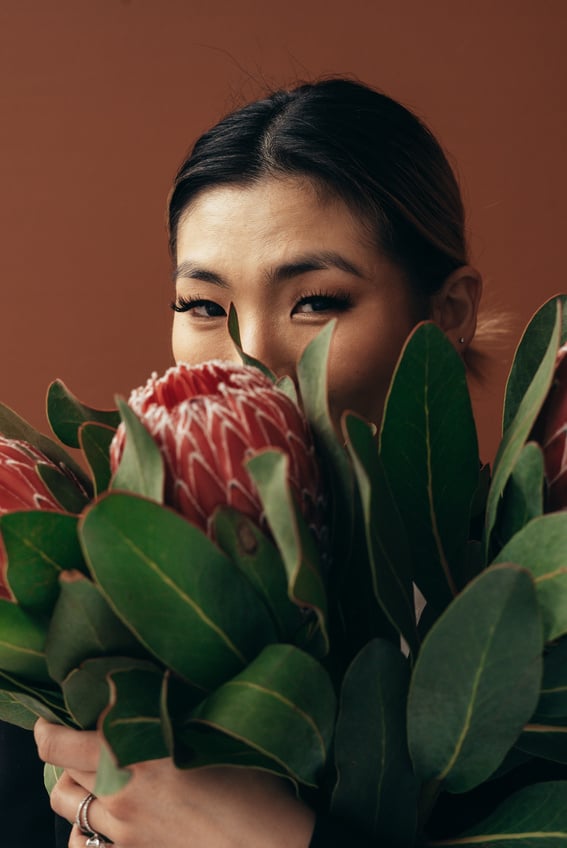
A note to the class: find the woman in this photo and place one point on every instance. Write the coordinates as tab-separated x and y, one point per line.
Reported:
328	201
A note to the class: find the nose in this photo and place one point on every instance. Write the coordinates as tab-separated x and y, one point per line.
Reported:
260	339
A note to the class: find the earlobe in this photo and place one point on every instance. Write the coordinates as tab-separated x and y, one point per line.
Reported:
455	306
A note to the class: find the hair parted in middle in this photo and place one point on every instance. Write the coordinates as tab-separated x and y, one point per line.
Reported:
351	142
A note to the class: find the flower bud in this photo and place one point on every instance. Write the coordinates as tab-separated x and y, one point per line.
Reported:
207	420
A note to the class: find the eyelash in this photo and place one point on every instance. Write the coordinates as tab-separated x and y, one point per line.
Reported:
339	300
186	304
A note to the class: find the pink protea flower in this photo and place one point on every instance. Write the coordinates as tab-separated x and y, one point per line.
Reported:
21	488
207	419
551	432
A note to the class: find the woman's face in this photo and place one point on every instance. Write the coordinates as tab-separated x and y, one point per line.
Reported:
289	262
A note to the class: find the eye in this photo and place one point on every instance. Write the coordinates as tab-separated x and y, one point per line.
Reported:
198	307
322	302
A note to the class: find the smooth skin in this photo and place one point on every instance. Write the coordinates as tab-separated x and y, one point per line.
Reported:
289	259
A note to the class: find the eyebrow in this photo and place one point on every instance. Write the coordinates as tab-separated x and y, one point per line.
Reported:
190	270
320	261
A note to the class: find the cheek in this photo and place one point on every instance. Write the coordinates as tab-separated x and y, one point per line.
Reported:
359	375
194	346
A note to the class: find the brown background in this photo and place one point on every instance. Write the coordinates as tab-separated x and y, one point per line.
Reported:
99	99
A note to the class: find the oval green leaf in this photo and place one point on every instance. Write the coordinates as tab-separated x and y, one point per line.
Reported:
94	440
260	562
40	546
541	547
548	741
81	610
182	597
295	541
86	689
530	352
66	414
66	492
283	706
476	681
534	817
22	644
376	788
390	558
131	724
429	451
141	468
520	427
523	495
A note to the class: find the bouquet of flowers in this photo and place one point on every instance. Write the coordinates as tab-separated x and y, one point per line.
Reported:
225	580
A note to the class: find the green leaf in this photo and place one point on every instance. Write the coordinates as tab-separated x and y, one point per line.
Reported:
109	777
131	724
66	414
26	710
13	712
269	471
523	495
40	546
14	427
390	558
82	611
66	492
87	689
234	332
22	643
141	468
198	746
548	740
534	817
95	442
282	705
183	599
541	547
286	385
193	745
26	692
520	427
313	388
51	775
530	352
429	451
23	709
553	695
260	562
376	787
476	681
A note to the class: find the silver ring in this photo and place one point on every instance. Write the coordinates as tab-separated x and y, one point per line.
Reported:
81	819
95	841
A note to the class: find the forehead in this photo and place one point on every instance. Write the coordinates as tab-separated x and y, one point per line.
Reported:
273	214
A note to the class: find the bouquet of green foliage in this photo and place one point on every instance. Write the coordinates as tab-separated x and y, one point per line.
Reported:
225	580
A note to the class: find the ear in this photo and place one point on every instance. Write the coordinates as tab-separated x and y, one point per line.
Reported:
455	306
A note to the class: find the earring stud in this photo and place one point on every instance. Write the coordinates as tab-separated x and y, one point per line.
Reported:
462	340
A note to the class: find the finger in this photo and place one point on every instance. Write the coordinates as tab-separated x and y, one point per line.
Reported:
67	748
66	798
78	839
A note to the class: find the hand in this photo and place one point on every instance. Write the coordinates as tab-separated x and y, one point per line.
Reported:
214	807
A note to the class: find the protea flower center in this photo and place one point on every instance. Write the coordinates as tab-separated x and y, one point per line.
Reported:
207	420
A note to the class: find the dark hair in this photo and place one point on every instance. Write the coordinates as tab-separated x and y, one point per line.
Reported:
354	143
